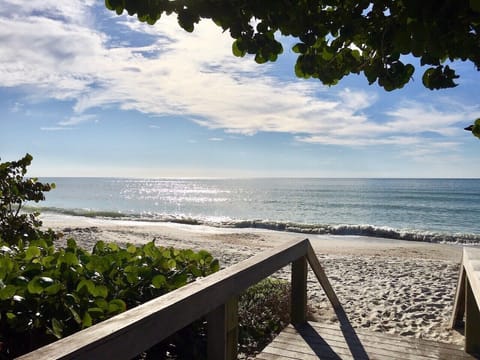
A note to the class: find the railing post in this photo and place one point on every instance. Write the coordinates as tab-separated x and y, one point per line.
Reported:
299	291
222	331
472	321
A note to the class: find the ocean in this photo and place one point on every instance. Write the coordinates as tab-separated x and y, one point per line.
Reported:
433	210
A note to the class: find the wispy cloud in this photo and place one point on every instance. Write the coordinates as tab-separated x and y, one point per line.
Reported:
55	128
16	107
58	51
75	120
420	128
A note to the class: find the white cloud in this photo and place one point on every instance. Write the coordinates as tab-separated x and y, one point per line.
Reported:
75	120
56	50
415	117
54	128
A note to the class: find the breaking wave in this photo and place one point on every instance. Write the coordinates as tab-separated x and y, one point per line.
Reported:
316	229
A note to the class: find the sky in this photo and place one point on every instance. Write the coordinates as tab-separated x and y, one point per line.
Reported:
90	93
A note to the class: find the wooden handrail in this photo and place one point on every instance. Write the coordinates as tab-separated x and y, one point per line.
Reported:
467	299
128	334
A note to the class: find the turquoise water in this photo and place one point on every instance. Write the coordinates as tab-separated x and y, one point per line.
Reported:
416	209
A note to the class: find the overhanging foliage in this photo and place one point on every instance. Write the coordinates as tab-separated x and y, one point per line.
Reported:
337	38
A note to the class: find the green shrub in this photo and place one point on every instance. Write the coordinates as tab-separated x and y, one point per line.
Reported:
263	311
15	190
48	293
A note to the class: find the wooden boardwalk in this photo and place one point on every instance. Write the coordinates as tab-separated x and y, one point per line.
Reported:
325	341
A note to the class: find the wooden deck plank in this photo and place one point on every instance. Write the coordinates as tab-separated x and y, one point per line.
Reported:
341	346
361	349
372	345
327	341
389	337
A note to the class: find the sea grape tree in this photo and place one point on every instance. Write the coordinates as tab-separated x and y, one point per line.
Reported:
379	38
340	37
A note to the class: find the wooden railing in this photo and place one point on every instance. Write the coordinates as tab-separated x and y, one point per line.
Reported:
215	296
467	299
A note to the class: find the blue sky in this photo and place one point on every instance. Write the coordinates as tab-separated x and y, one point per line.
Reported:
89	93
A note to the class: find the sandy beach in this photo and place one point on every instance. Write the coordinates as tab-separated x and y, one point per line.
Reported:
392	286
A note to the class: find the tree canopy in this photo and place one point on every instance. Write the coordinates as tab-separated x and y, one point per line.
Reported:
340	37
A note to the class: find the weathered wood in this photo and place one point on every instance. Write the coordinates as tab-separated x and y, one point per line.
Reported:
472	268
467	299
222	327
459	302
322	277
298	313
359	343
410	341
131	332
330	341
472	321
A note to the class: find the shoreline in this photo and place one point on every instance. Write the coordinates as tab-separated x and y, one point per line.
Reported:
393	286
307	229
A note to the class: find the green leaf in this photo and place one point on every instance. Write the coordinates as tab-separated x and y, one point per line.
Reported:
71	299
6	266
131	249
75	314
299	48
70	259
86	285
151	250
113	246
71	244
476	128
116	306
53	289
159	281
102	304
38	284
99	247
236	49
7	292
101	291
87	320
32	252
259	59
95	312
57	328
214	266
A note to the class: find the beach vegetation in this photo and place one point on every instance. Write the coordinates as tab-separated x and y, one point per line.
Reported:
15	190
475	128
337	38
263	312
48	293
384	40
